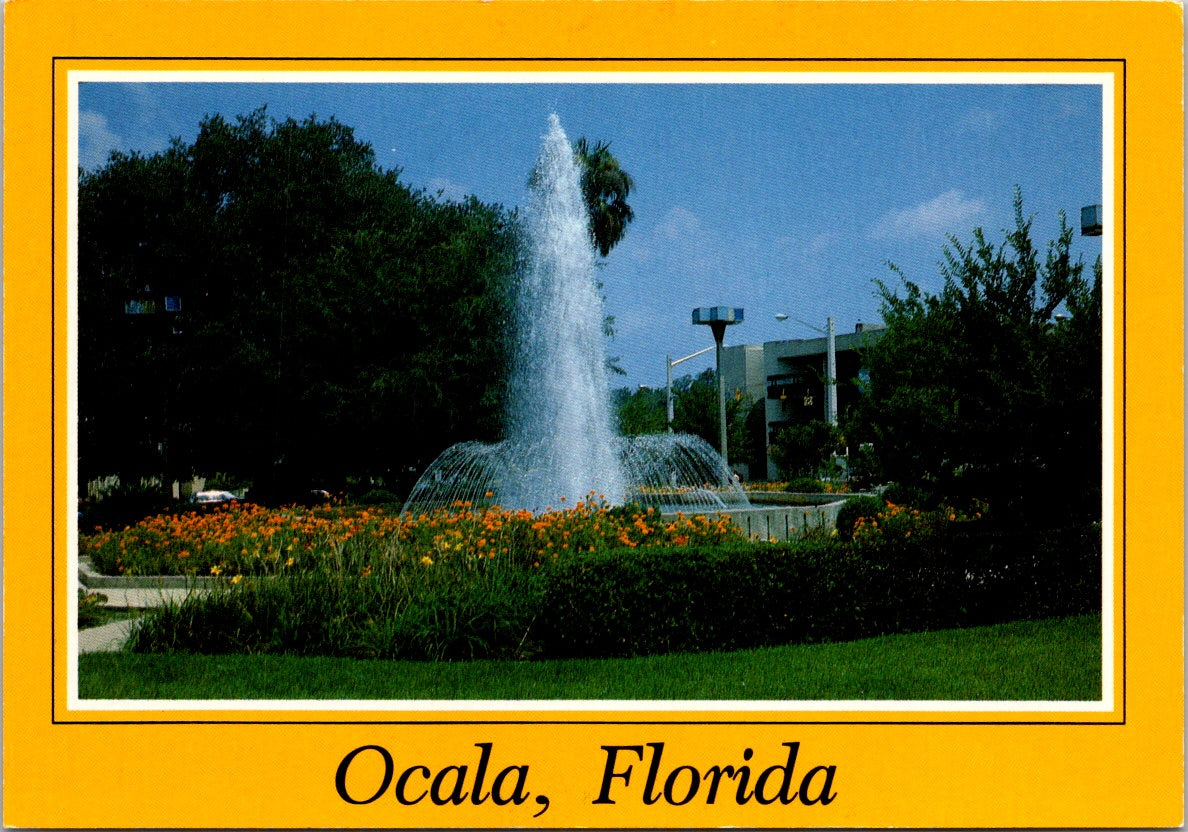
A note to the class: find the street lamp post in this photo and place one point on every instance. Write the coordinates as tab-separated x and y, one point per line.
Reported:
670	363
830	364
830	375
717	318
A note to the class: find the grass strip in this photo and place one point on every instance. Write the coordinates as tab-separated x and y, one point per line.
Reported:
1055	659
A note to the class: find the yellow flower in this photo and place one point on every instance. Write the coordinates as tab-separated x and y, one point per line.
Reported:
290	562
428	561
237	579
216	570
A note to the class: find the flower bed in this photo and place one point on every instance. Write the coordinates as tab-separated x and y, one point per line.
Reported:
591	581
252	540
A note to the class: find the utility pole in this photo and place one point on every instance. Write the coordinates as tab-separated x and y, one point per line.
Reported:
830	364
830	375
670	363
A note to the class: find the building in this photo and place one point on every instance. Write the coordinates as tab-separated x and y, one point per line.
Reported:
743	368
790	376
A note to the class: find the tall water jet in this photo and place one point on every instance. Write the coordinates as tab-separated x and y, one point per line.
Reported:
559	411
561	445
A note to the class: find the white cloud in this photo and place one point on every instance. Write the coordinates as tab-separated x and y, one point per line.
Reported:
946	214
979	120
680	224
680	244
821	243
96	139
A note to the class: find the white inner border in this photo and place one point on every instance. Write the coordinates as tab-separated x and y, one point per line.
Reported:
1104	80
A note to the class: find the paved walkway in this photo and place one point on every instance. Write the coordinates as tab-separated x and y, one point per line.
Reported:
125	593
108	638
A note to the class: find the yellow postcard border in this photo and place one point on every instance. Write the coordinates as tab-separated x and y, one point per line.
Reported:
244	773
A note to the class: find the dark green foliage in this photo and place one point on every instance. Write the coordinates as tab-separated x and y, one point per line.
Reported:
91	611
987	389
753	449
641	411
639	602
125	505
804	450
605	186
696	411
907	495
636	602
377	497
333	320
804	485
855	508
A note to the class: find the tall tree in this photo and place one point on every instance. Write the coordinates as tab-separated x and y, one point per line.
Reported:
640	411
325	318
981	389
606	187
696	411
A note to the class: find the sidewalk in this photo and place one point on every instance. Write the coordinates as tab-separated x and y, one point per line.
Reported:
106	639
127	593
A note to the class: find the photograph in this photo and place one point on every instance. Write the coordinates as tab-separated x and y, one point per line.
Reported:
381	396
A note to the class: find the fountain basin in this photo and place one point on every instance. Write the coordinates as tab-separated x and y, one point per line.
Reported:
779	523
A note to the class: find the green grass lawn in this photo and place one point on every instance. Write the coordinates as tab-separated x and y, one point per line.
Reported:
1053	659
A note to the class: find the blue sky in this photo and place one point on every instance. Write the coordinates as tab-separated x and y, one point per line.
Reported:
774	197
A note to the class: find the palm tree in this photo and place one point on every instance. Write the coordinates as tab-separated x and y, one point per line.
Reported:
606	187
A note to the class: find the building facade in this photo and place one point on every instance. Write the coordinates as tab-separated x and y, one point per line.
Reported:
790	376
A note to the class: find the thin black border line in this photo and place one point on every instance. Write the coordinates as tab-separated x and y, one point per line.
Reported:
504	59
53	395
558	59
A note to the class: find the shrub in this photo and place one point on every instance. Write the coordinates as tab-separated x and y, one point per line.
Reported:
907	495
124	505
855	509
624	603
809	485
805	449
642	601
90	608
378	497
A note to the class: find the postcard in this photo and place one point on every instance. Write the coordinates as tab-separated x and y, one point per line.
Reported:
635	415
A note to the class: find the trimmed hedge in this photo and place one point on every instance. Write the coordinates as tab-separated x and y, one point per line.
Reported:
639	602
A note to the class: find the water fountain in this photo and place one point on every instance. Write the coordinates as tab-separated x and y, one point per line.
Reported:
561	445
